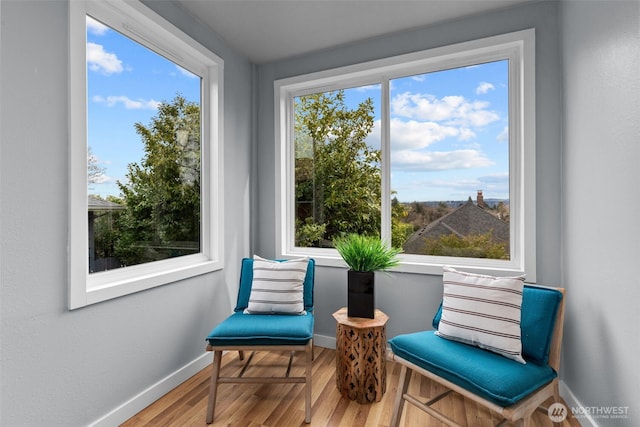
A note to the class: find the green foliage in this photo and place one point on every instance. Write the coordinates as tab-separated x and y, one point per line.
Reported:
106	231
162	192
309	233
503	211
473	246
419	214
366	253
400	230
338	180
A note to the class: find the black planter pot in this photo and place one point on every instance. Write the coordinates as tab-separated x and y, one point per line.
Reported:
360	295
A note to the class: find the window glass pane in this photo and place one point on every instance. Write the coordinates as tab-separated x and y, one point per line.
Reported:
144	153
450	162
337	165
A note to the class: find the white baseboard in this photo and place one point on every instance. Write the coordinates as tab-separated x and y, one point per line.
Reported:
145	398
137	403
585	419
324	341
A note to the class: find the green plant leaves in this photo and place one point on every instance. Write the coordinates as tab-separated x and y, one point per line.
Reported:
366	253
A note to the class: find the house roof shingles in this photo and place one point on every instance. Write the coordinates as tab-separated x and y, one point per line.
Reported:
465	220
96	204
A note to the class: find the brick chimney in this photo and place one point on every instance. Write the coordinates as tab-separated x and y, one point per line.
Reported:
480	199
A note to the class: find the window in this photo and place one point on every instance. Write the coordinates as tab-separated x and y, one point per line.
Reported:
337	167
433	151
145	170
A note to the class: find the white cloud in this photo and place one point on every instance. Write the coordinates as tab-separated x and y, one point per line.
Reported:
495	185
128	103
447	189
479	118
101	61
368	87
186	72
456	189
451	110
424	106
413	134
95	27
438	160
416	135
102	179
495	179
504	135
484	87
466	134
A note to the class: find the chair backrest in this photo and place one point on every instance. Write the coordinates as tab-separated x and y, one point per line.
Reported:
541	319
246	279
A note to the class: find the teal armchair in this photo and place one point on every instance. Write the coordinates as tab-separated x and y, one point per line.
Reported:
264	331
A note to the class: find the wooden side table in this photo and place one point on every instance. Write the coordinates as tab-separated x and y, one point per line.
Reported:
361	370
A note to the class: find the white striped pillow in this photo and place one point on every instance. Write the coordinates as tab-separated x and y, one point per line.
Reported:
483	311
277	286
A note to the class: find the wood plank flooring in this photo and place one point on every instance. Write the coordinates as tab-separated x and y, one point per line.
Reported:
282	405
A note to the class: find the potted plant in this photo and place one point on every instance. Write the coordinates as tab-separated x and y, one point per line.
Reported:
364	255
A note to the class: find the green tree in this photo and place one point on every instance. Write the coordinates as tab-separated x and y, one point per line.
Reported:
503	211
94	170
400	229
162	192
309	233
338	181
472	246
106	230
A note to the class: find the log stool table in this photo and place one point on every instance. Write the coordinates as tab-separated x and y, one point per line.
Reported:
361	370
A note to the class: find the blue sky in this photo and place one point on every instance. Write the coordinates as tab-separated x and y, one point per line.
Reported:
448	128
125	84
449	132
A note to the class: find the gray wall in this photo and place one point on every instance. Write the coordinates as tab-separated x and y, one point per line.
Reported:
61	368
601	232
69	368
411	299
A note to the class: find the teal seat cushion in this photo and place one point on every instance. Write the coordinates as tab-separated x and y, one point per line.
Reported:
484	373
246	279
263	329
537	319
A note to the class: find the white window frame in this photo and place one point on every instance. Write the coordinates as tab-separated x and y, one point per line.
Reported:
519	48
144	26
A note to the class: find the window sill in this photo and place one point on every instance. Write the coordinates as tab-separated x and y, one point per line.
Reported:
419	264
107	285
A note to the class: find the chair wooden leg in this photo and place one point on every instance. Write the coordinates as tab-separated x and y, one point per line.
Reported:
241	354
403	386
307	394
213	390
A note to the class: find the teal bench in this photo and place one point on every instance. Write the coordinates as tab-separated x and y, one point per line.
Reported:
511	389
263	332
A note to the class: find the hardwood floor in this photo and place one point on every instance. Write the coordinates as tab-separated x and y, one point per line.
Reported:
282	405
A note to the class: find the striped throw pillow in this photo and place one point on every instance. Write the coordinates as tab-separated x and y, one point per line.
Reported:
483	311
277	286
